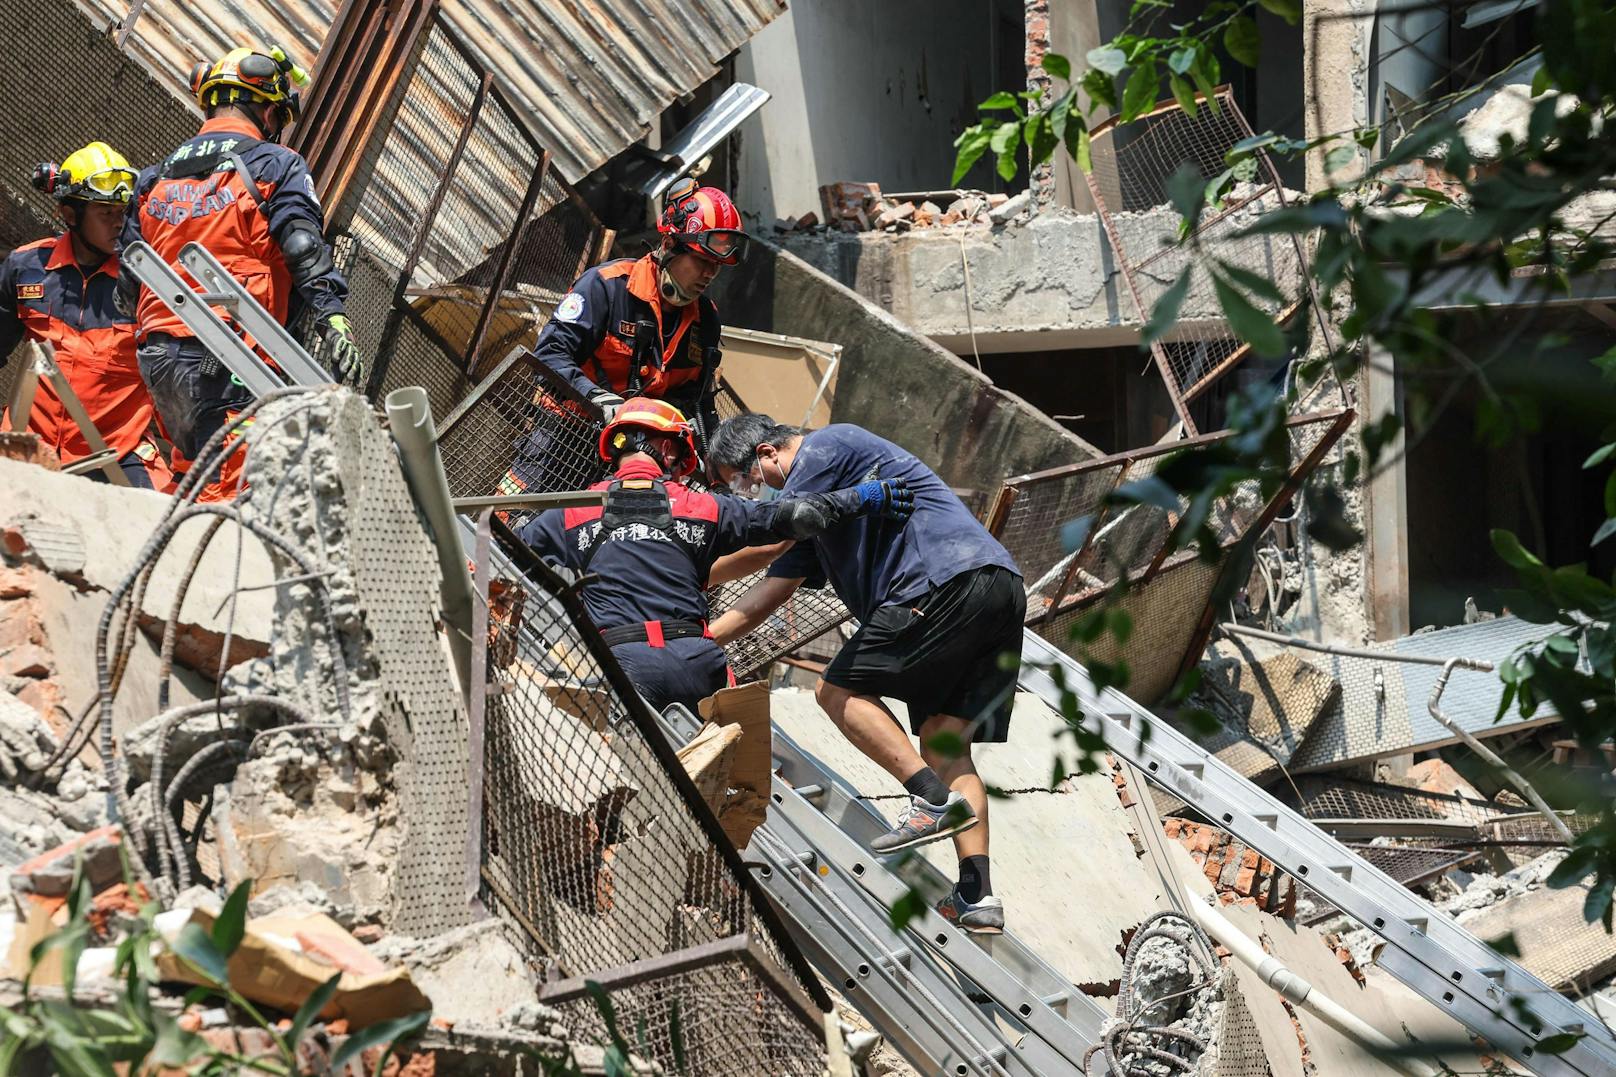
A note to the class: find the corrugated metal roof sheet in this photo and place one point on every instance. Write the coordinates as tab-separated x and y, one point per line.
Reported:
593	74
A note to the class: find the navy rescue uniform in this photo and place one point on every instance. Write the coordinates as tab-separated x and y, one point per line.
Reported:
650	549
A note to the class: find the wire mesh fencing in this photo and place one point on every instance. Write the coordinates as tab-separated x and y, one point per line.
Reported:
524	429
1129	182
1075	543
598	848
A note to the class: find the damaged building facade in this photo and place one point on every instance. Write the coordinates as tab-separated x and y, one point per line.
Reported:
357	697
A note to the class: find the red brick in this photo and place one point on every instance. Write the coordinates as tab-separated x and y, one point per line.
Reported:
19	624
28	660
1246	882
1172	826
16	582
44	697
1249	859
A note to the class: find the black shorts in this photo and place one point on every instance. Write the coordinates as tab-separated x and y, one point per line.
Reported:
940	654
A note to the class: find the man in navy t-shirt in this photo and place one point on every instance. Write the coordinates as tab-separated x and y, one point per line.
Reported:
940	605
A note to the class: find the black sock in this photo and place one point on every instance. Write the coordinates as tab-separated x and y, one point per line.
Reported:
925	784
974	884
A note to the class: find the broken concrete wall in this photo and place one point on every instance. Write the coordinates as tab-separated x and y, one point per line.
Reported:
358	649
1044	284
898	383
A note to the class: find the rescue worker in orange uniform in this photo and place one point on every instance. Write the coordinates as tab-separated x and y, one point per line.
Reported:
643	327
60	292
252	203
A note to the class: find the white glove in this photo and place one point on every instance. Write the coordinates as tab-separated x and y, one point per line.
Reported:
608	402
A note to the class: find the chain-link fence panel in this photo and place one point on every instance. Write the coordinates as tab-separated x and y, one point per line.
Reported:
1133	163
1076	543
600	850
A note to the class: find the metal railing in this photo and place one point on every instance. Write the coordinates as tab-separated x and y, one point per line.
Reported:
598	848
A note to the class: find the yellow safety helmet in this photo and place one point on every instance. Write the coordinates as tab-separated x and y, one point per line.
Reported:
249	75
96	173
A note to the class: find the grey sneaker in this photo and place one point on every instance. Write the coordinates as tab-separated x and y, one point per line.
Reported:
922	822
985	917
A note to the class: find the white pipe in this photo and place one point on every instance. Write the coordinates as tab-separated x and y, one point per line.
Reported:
1300	992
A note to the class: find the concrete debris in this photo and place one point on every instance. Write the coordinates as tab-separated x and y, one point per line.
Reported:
1238	874
475	976
307	810
861	207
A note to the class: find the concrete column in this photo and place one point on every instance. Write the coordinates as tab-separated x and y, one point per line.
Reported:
1386	523
1335	37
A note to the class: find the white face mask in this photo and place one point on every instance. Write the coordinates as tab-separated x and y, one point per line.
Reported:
743	484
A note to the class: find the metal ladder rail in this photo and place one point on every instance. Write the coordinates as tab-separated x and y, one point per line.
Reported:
795	823
1033	985
193	309
1426	949
299	367
1042	1032
921	1004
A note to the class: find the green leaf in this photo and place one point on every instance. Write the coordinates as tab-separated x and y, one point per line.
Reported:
1181	60
1540	82
972	144
1340	157
1101	88
1082	152
231	926
1596	903
1006	141
1289	10
1599	456
1187	192
947	743
1243	41
910	905
1248	323
1121	626
676	1037
1139	95
310	1009
1108	59
1255	283
1570	871
1558	1044
1057	65
196	949
388	1032
1508	547
1002	99
1184	94
1606	529
1164	314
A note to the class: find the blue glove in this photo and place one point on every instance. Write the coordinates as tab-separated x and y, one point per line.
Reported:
890	499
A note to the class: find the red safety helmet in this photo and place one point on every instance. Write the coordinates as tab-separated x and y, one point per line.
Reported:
705	219
641	413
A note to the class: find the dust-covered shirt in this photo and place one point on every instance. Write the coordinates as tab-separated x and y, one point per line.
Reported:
873	562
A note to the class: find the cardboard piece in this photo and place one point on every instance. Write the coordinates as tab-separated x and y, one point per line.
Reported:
752	761
266	971
709	758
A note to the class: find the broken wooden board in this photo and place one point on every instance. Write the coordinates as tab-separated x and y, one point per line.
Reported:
708	759
747	708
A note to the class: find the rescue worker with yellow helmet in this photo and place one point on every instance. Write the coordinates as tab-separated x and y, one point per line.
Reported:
649	551
252	203
60	292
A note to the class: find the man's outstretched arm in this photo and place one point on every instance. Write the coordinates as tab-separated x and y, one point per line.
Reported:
750	609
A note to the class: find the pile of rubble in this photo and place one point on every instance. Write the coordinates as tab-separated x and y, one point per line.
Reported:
861	207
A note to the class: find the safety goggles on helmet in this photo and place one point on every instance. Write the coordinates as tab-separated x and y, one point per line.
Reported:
110	185
725	245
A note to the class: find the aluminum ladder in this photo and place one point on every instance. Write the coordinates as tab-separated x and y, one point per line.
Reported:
1425	948
950	1002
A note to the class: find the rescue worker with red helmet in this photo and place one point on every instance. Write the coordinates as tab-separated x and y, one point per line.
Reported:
648	552
644	327
252	203
60	292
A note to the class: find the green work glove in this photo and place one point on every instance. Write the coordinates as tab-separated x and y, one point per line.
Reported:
342	351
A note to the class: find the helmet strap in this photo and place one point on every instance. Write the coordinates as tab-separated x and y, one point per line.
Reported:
671	292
